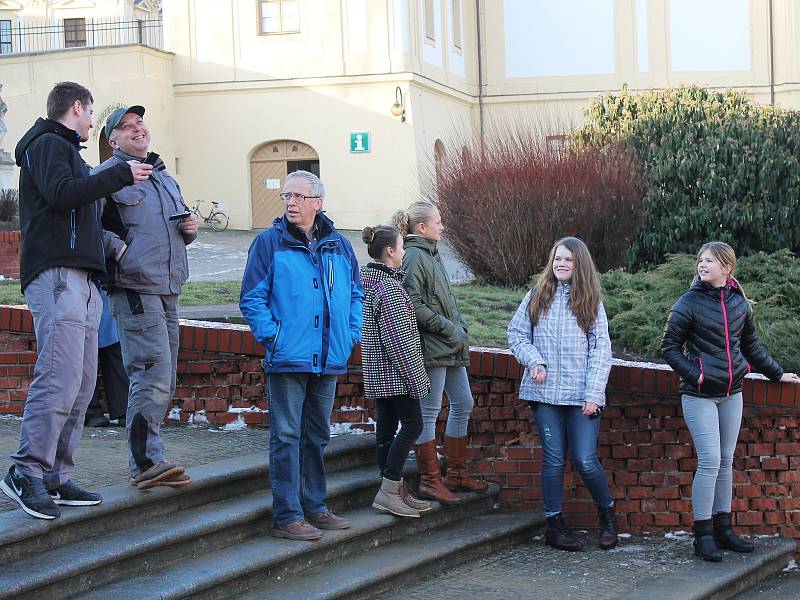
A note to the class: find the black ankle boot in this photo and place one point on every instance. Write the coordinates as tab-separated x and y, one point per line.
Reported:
704	545
725	538
558	535
608	528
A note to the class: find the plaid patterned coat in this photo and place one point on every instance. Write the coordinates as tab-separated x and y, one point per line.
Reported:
577	362
391	353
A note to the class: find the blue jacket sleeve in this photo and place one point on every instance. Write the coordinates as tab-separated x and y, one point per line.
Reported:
356	295
254	299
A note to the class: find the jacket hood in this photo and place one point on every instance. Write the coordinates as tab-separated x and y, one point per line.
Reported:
418	241
704	288
374	273
40	127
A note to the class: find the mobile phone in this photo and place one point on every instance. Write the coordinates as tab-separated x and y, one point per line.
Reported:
597	413
180	215
151	159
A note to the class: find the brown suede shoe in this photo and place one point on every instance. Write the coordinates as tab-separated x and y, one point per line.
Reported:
328	520
299	530
155	474
455	458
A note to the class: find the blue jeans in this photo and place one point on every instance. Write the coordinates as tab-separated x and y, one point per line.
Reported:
300	406
562	428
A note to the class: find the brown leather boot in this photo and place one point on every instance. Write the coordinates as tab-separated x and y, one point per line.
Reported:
431	486
455	456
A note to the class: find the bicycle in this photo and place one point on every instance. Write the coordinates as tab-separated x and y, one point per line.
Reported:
217	219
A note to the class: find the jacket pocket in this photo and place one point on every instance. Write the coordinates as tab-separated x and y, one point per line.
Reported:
141	262
127	201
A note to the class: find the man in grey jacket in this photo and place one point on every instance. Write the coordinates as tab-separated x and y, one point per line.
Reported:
153	228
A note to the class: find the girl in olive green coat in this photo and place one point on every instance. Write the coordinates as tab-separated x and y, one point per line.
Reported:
446	352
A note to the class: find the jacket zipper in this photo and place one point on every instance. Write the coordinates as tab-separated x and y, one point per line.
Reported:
702	373
72	235
727	340
275	344
558	337
330	275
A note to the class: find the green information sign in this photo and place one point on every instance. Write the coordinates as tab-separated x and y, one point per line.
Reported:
359	141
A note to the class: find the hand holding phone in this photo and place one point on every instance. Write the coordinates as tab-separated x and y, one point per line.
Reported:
180	215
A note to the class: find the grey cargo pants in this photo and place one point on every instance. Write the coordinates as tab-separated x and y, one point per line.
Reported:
66	308
148	335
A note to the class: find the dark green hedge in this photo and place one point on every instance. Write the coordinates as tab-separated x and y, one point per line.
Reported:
716	167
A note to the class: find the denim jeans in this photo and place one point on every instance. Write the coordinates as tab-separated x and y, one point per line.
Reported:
714	424
562	428
300	406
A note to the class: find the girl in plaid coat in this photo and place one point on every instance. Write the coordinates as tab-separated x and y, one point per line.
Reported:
560	335
394	372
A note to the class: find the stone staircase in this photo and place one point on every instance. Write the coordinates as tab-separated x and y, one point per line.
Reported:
211	539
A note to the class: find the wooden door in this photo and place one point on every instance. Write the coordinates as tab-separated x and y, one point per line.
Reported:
266	181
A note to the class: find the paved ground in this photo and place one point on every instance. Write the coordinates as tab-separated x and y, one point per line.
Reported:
528	571
532	571
221	256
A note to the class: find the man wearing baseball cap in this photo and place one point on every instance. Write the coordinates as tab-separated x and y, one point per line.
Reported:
154	228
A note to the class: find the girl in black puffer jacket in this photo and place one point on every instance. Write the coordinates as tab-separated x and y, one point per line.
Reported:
710	341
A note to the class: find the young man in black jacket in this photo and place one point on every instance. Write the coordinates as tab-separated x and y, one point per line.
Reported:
62	248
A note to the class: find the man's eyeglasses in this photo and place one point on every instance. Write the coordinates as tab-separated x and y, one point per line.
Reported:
298	198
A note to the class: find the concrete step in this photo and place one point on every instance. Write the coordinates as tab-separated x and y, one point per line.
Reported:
153	542
717	581
255	562
370	574
125	507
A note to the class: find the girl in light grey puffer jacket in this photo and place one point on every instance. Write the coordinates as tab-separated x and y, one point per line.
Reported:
560	335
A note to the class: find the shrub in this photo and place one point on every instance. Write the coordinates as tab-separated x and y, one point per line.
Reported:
715	165
9	204
504	208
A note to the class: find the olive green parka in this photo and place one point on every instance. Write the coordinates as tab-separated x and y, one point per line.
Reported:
441	326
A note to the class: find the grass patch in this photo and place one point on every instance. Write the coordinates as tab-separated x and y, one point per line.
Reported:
195	293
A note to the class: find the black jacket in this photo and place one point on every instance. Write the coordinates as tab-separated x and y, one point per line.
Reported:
58	209
710	331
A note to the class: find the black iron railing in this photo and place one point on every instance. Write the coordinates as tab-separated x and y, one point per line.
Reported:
78	33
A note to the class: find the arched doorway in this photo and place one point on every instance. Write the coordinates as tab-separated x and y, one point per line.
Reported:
269	166
103	147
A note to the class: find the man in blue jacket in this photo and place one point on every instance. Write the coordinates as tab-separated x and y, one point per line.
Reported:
62	249
302	297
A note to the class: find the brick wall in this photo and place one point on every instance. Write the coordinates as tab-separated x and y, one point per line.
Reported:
10	243
644	444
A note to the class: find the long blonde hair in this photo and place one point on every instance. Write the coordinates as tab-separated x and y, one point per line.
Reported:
407	220
725	255
586	293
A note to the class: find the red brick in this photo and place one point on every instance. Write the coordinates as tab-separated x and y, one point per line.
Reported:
667	519
774	464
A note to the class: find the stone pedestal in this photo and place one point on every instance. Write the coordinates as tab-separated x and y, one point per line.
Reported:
7	179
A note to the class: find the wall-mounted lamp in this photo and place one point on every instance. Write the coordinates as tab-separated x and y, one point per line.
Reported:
398	108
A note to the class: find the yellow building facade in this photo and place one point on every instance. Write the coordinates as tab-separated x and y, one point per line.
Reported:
367	92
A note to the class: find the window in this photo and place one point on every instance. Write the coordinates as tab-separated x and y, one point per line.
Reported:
279	16
5	37
455	14
430	25
74	33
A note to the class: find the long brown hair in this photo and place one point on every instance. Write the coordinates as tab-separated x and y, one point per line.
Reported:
725	255
586	293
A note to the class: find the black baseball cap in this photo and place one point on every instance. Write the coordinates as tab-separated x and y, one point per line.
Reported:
115	117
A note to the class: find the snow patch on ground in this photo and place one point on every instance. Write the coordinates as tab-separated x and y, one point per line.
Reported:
198	418
236	425
792	566
174	414
247	409
342	428
676	535
623	535
351	408
10	418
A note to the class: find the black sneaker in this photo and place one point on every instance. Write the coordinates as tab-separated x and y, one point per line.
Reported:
30	494
69	494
